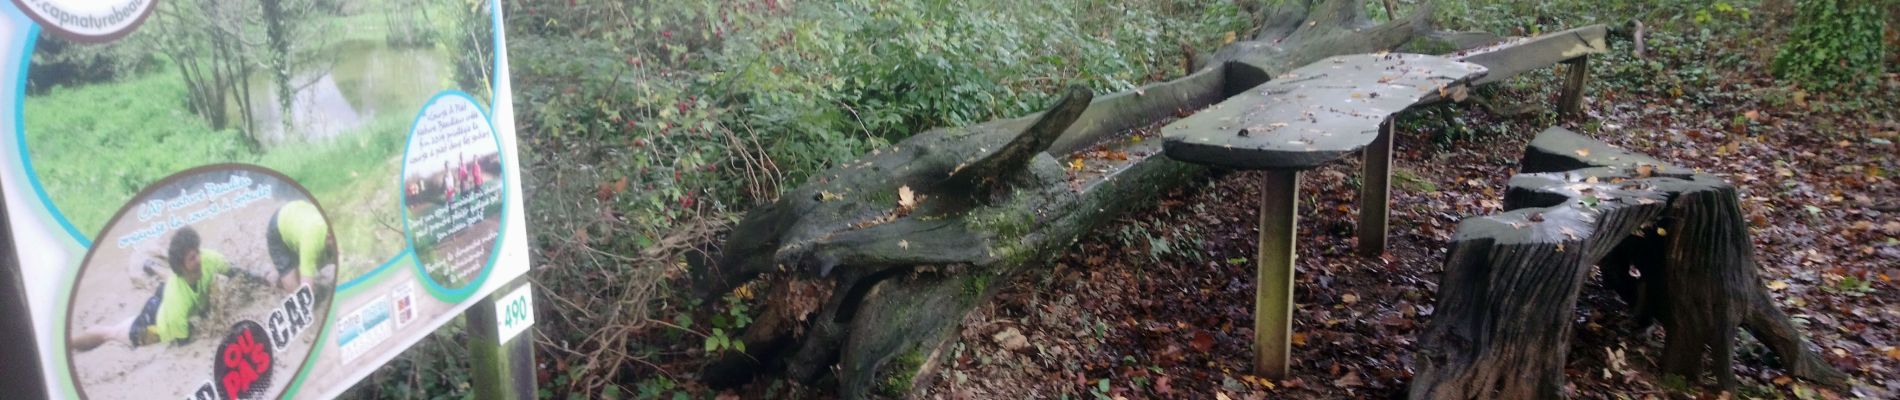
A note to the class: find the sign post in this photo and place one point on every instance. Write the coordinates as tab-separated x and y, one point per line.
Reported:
23	378
501	358
206	199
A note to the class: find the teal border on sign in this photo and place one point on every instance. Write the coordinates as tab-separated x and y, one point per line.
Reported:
19	132
380	273
29	39
494	91
365	277
435	289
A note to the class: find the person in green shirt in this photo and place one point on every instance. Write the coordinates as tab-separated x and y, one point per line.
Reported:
166	316
299	240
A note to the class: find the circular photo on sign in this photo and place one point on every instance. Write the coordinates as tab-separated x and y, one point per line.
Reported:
211	282
453	194
88	20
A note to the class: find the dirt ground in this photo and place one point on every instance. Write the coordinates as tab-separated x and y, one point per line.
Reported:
1159	304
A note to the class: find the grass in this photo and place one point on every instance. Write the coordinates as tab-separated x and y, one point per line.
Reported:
353	175
68	127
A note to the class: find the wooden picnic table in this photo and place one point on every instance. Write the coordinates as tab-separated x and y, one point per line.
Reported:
1327	110
1301	120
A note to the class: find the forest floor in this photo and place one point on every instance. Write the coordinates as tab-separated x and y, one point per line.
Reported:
1159	304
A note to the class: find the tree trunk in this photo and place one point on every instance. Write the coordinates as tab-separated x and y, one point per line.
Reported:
1673	243
1503	326
277	42
917	235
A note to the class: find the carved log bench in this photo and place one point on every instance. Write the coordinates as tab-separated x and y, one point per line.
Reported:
904	242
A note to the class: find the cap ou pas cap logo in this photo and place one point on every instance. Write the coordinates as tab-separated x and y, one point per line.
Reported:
91	21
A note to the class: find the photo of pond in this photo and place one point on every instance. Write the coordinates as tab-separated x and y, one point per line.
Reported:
214	94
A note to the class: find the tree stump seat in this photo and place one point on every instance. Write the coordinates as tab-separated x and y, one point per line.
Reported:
1671	241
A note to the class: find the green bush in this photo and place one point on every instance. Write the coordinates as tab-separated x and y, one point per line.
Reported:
645	121
698	103
1836	44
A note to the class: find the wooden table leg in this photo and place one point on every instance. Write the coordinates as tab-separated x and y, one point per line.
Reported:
1273	301
1375	200
1570	102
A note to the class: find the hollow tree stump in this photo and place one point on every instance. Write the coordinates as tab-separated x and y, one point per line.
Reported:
1512	279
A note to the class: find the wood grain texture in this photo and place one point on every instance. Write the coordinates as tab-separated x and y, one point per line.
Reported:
1673	243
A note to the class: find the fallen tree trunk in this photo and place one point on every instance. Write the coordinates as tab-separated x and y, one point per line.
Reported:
1511	280
913	237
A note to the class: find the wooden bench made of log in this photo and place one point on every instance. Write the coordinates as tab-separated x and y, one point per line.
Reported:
1330	109
1673	242
899	245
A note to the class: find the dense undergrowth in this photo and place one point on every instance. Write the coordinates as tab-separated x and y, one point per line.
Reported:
648	126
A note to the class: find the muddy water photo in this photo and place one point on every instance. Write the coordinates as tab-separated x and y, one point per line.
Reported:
200	274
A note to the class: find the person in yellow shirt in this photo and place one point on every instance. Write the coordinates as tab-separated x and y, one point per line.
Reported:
166	316
299	240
